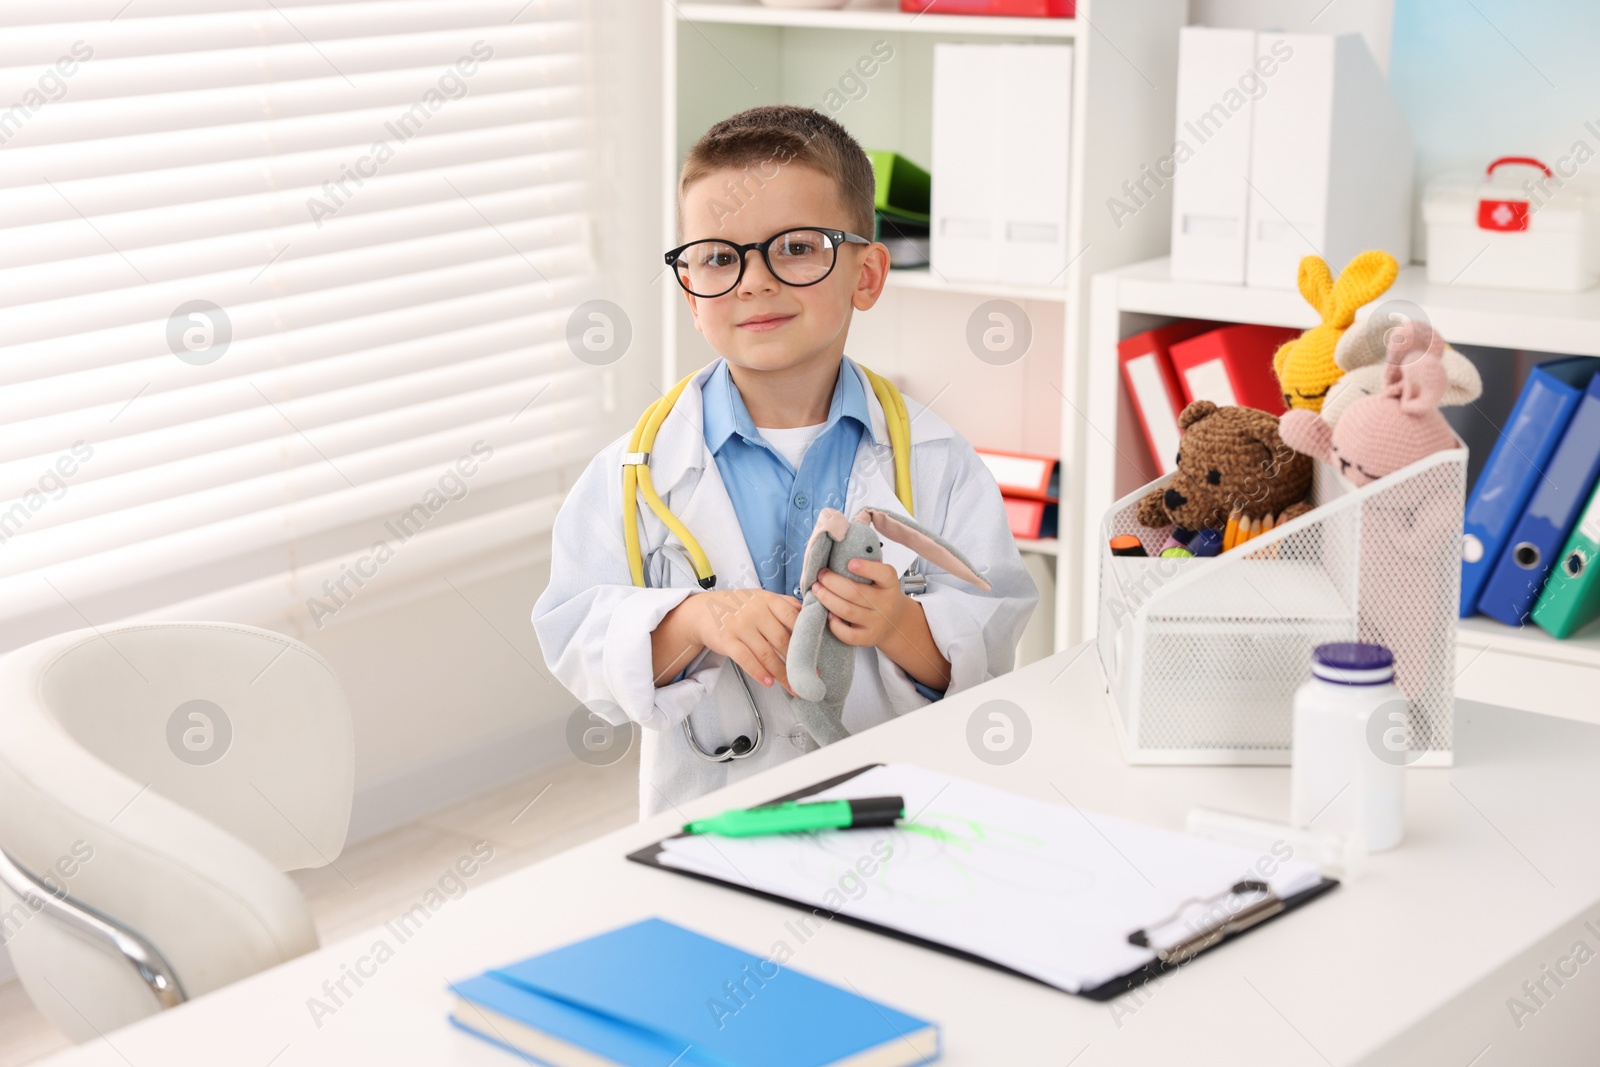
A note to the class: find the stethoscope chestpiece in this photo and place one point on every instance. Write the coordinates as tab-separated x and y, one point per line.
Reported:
742	747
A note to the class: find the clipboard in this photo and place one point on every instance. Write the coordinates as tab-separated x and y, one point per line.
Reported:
1258	912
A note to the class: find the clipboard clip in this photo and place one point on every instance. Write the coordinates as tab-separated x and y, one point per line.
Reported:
1264	906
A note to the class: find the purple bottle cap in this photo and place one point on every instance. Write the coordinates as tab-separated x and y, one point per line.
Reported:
1353	663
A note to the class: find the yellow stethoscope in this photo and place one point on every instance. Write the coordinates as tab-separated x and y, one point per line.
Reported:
636	474
636	480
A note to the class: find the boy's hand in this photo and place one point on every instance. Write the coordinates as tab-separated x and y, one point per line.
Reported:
750	627
882	616
863	614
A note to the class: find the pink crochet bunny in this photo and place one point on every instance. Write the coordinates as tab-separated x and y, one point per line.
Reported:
1407	528
1379	434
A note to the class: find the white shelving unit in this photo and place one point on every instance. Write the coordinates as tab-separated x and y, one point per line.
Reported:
722	57
859	18
1047	546
1522	668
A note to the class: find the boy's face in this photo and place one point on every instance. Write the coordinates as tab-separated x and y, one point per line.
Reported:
763	324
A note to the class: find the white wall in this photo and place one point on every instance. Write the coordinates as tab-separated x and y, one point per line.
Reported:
447	693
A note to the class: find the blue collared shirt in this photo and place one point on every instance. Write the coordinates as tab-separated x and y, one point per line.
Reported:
777	505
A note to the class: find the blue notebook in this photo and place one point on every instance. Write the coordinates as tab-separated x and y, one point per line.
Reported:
1512	471
1558	496
654	993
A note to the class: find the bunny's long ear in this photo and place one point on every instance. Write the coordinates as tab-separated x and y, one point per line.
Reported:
1316	285
1410	345
1365	279
1423	382
924	542
831	527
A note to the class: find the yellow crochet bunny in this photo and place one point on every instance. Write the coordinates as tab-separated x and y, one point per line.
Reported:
1305	366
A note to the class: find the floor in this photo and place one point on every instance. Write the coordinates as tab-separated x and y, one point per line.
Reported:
382	876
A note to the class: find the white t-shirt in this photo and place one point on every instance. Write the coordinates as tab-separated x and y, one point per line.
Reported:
791	443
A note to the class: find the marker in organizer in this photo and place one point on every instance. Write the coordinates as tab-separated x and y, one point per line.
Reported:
1174	541
1206	543
1127	545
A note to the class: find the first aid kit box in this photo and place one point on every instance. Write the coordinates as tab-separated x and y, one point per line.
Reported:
1490	231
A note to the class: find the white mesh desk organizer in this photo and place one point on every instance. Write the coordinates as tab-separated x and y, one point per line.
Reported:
1202	656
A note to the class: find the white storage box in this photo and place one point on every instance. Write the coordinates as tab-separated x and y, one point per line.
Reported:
1321	156
1002	143
1505	231
1202	656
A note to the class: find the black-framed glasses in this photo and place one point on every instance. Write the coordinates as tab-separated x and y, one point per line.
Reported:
799	257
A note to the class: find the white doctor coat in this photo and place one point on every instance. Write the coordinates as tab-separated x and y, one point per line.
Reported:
594	625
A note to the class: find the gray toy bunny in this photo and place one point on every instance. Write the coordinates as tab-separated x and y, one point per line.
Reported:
820	666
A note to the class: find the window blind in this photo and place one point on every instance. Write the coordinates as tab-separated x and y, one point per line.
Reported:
284	290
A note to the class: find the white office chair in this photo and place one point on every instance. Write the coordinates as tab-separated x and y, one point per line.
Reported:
155	783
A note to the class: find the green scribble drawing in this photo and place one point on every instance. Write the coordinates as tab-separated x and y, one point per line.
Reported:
944	836
969	833
943	858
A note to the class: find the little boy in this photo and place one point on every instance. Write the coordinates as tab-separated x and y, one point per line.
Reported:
775	206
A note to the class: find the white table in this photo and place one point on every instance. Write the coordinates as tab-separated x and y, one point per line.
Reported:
1411	964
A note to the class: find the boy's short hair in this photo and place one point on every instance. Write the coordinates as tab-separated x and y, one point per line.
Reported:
762	139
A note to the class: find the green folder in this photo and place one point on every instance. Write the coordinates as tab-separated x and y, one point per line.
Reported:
902	187
1571	596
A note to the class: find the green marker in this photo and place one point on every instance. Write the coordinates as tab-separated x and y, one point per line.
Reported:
791	817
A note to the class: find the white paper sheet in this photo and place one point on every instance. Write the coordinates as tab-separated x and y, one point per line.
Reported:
1044	888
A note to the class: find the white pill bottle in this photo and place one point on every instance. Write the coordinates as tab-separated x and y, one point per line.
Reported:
1351	745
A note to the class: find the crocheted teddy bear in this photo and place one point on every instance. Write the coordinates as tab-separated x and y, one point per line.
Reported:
1305	366
1230	459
